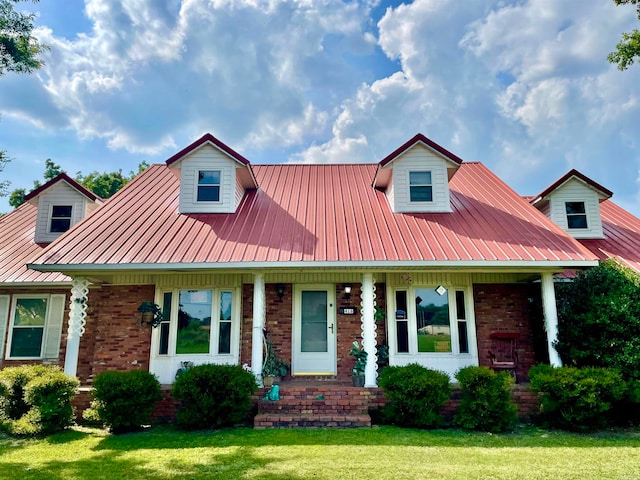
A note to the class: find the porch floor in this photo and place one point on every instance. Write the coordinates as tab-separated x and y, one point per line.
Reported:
316	403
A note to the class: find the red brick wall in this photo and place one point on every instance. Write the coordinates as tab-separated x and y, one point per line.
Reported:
506	308
114	340
63	341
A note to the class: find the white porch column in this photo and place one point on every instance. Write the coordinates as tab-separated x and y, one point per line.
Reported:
77	322
367	308
550	317
259	309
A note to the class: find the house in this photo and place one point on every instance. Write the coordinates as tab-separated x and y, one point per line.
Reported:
33	304
446	250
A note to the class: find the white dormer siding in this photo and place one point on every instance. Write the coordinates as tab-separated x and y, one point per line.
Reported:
54	200
208	159
575	192
419	159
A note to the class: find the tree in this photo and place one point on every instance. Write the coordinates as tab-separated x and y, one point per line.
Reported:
103	184
599	319
19	49
629	47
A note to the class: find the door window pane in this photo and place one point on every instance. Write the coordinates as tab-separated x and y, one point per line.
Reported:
165	324
194	321
432	320
314	322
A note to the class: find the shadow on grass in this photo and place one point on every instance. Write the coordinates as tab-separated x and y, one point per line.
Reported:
110	465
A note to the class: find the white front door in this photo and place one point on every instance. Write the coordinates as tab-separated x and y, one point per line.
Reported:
314	330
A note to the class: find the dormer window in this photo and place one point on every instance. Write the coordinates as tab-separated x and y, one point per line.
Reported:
576	215
60	218
208	185
420	187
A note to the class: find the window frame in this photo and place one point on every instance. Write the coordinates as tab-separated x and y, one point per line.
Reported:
199	185
53	217
216	322
412	323
420	185
583	214
12	326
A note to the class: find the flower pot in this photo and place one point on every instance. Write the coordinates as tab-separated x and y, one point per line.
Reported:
358	380
269	380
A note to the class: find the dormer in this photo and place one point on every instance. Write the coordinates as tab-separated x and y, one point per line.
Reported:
573	203
415	177
62	202
213	177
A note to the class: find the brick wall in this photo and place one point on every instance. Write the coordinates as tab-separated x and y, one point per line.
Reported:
114	339
507	308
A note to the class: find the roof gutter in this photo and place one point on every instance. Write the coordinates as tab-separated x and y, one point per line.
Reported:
364	264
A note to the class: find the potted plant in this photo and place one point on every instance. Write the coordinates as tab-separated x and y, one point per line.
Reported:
273	367
151	313
357	372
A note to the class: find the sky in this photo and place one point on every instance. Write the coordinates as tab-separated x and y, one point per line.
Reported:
522	86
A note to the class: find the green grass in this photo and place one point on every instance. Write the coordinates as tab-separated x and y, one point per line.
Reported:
427	342
377	453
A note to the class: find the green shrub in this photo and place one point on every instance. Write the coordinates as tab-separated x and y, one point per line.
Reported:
124	401
415	395
213	396
36	399
485	400
576	398
599	319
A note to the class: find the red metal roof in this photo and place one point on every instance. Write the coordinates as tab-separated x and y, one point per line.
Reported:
622	236
62	177
17	248
313	213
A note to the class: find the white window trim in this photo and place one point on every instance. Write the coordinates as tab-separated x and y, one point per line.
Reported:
219	185
215	325
48	327
585	215
453	322
51	217
409	185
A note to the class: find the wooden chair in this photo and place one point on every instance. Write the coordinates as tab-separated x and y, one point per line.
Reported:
503	354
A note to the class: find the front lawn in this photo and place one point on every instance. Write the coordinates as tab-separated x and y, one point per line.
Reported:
377	453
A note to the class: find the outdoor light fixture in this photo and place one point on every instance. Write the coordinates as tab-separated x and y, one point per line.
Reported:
347	292
280	290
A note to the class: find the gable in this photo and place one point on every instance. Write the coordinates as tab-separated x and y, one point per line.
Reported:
58	206
566	201
210	182
419	181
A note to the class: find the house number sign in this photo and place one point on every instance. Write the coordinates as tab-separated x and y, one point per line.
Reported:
348	311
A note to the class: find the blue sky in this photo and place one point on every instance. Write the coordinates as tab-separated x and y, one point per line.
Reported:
522	86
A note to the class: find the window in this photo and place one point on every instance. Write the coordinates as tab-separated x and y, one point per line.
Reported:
60	218
208	186
436	322
420	187
576	215
35	326
202	322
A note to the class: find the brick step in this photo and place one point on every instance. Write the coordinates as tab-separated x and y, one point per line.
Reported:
269	420
307	408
